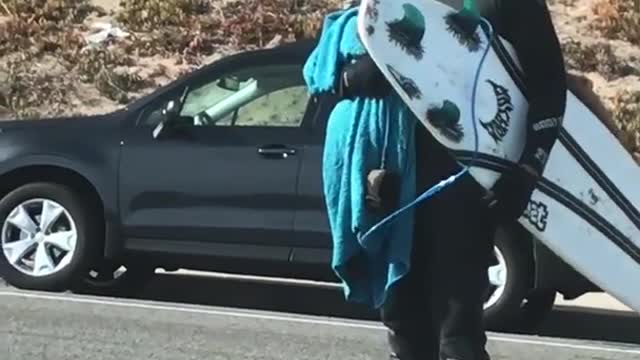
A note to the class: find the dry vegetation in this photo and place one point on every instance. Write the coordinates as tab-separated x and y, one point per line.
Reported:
48	68
617	19
601	41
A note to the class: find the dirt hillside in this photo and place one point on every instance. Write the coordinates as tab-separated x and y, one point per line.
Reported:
601	41
49	65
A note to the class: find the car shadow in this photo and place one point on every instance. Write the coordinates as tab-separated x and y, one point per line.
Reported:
564	321
592	324
255	295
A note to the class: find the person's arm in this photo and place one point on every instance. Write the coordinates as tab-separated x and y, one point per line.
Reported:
362	78
530	30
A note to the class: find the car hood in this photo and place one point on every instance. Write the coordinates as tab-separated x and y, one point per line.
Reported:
97	122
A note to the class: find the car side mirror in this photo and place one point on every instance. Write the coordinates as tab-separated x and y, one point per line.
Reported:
171	120
170	108
168	113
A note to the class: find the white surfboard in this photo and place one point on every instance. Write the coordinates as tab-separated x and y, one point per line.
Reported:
586	207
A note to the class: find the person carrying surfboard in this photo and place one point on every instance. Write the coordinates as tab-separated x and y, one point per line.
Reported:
436	310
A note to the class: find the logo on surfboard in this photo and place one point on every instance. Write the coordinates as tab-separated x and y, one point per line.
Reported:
408	31
446	119
537	214
499	125
408	86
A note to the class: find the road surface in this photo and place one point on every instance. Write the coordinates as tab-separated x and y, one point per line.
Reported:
45	326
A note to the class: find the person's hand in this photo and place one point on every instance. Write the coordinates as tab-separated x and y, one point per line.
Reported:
362	78
512	192
383	190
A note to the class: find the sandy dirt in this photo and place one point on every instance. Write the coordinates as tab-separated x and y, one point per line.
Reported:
572	19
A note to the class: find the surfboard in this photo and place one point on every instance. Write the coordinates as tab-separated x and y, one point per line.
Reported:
586	206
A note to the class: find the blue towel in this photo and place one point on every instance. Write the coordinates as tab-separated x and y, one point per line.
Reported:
354	144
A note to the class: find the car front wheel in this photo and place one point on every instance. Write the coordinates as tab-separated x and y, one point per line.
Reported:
46	237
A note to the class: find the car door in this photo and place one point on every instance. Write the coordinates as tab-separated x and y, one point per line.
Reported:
228	177
313	234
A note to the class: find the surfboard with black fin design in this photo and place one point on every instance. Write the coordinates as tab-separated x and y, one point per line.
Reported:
586	208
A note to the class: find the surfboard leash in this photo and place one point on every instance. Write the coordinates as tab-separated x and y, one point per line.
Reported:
451	179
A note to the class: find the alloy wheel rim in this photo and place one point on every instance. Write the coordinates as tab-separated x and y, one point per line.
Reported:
498	276
39	237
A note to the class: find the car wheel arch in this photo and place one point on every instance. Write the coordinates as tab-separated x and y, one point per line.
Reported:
29	168
55	173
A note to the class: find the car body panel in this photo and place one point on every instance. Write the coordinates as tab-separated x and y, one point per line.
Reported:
554	273
88	146
202	187
311	221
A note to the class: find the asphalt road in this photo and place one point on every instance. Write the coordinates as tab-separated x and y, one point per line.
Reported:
199	318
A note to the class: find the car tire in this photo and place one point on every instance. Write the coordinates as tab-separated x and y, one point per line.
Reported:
503	308
59	254
114	279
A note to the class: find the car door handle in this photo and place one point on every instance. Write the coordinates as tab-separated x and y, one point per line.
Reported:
276	151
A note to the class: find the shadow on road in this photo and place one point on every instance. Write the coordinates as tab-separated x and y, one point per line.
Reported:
565	322
592	324
255	295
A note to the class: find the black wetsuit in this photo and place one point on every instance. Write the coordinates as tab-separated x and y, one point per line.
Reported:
436	311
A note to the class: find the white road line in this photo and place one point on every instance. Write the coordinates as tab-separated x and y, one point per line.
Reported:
563	345
252	278
291	318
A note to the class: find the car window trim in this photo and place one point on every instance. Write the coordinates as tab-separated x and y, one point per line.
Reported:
197	78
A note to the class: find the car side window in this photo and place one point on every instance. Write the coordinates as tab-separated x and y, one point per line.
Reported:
257	96
285	107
